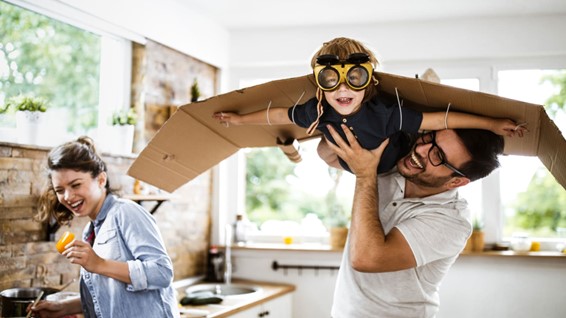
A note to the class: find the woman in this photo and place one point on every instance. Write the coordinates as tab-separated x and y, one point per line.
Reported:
125	269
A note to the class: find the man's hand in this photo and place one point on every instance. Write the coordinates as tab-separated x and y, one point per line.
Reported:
361	161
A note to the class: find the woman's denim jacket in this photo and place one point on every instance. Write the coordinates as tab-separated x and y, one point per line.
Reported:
126	232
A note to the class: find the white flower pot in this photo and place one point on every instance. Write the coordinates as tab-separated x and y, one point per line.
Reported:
29	125
121	139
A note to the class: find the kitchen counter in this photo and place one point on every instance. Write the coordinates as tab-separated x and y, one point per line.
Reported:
234	304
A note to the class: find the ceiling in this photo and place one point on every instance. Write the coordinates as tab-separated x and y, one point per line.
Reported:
243	14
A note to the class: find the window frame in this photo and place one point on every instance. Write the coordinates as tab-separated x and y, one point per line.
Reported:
115	56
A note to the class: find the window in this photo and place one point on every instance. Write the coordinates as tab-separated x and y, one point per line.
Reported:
73	69
533	202
295	199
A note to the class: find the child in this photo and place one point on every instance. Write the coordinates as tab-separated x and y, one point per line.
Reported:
343	70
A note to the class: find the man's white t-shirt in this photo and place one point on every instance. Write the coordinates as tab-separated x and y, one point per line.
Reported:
436	229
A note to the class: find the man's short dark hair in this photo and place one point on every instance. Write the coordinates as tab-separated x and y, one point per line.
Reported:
484	146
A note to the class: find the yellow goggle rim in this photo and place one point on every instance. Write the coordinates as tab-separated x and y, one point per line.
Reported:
329	77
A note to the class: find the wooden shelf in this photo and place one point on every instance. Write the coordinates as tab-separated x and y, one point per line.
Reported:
139	198
516	254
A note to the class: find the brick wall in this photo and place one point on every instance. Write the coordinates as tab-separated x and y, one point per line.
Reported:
27	258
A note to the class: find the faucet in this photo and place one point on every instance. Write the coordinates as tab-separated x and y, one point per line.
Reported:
228	255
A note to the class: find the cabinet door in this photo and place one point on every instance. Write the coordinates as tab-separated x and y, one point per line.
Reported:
280	307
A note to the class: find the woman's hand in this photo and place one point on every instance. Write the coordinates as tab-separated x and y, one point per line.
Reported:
48	309
56	309
80	252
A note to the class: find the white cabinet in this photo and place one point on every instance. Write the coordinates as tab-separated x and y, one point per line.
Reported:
280	307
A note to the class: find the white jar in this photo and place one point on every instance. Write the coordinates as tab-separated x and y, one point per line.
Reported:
520	242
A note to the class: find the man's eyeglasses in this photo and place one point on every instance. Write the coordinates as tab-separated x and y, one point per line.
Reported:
436	156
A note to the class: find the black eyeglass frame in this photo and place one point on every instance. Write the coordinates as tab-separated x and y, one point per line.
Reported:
441	153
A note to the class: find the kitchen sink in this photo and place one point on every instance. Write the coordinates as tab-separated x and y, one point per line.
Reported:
224	290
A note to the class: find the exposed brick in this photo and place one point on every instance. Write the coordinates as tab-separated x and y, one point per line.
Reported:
23	164
16	213
12	263
26	273
30	152
5	151
12	200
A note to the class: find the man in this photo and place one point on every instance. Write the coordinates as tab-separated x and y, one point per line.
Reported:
408	226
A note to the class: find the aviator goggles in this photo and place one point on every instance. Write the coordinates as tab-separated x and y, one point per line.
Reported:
355	71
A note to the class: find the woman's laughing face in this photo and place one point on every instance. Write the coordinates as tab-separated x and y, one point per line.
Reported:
79	192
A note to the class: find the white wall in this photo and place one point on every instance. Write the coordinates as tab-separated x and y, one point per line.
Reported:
493	287
476	286
403	48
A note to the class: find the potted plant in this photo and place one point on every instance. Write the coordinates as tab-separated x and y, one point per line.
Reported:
476	242
195	91
29	116
122	131
337	220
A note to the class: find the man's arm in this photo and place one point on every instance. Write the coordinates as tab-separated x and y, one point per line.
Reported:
371	249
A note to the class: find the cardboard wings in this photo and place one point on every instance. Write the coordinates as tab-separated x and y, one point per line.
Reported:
191	141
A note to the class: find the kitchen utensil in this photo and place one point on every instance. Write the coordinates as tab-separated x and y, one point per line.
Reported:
62	296
35	302
202	298
16	300
67	284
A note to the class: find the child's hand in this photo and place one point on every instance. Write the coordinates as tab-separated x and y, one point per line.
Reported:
507	127
227	118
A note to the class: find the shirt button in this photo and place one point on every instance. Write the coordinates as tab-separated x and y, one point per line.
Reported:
351	128
394	203
344	120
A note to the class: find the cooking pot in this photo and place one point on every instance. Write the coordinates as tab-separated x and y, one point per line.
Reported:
15	301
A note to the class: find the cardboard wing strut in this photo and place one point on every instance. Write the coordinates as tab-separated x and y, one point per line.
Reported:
191	141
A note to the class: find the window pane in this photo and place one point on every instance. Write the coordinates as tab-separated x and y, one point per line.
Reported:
46	58
533	202
278	189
